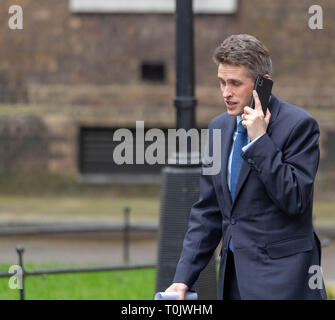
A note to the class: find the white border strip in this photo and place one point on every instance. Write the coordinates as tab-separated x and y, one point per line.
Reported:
150	6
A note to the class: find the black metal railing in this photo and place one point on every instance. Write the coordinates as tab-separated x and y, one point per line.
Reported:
22	273
126	229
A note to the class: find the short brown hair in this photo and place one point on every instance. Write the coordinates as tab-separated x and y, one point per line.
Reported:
245	50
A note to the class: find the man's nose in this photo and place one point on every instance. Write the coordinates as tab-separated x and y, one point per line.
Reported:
226	92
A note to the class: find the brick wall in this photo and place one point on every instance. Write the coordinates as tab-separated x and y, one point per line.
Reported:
83	69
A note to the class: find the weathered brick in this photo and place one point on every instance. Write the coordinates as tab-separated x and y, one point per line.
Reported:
86	66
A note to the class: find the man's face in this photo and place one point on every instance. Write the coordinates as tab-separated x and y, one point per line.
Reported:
236	87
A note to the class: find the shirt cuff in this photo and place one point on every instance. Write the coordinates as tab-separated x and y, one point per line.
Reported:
245	148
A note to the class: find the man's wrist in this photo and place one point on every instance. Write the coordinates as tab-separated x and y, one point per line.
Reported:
245	148
257	137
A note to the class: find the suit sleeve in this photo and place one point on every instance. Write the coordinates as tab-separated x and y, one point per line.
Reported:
288	174
203	234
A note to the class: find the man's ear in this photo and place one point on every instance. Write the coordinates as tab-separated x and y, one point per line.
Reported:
267	76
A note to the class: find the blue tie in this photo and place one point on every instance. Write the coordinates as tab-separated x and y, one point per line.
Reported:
236	164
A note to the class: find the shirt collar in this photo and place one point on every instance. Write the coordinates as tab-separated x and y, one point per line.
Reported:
238	119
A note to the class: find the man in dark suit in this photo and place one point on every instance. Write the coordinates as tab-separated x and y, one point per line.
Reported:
260	204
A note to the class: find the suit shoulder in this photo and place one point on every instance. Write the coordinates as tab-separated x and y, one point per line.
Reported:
293	114
218	121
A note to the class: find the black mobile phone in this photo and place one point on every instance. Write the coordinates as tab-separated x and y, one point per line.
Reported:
263	86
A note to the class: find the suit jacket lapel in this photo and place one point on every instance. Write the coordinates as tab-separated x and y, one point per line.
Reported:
274	109
227	141
226	144
245	169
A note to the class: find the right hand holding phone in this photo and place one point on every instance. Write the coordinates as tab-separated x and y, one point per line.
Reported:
254	120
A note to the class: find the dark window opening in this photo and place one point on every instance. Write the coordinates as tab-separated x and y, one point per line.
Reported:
153	71
96	152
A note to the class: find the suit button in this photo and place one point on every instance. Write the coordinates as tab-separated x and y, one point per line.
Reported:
232	221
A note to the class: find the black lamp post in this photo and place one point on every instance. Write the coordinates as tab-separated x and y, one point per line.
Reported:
180	183
185	101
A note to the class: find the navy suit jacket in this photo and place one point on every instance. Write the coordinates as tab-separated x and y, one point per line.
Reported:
270	219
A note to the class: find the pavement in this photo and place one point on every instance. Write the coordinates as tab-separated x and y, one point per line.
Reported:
81	249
